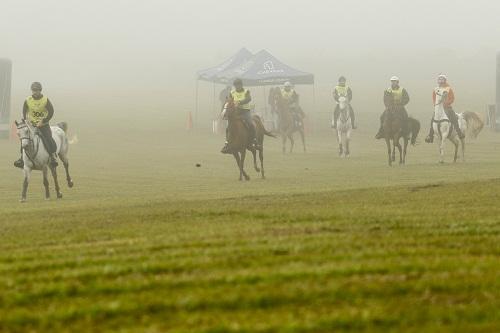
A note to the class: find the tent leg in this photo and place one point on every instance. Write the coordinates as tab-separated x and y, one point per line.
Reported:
197	103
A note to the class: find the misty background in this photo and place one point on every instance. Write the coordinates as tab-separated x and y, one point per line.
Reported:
107	58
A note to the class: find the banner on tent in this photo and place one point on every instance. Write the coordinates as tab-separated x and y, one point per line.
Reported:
5	86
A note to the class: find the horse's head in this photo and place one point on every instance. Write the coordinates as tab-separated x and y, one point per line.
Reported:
229	109
439	112
343	103
24	133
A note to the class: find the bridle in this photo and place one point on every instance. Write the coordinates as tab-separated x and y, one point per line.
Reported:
31	143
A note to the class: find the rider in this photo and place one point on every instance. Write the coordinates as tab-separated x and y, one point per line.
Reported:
241	97
448	99
292	98
395	100
38	110
342	90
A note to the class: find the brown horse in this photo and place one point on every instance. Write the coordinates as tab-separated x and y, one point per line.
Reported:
393	131
238	138
288	124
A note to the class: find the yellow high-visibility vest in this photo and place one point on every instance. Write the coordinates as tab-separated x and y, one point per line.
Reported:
37	109
342	91
287	95
397	94
239	96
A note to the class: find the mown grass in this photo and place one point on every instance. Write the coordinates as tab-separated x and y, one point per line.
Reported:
409	258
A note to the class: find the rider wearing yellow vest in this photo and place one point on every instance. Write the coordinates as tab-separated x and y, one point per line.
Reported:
38	110
242	99
448	108
342	90
395	100
292	98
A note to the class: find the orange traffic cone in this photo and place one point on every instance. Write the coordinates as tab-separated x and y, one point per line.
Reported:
189	124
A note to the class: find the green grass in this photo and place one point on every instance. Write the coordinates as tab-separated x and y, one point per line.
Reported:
147	242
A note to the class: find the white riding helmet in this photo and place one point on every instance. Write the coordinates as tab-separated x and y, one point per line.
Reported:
395	78
288	84
442	77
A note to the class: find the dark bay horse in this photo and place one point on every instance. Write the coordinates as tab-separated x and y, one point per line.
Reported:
238	138
393	132
288	124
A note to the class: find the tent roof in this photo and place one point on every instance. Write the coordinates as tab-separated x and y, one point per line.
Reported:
264	69
210	74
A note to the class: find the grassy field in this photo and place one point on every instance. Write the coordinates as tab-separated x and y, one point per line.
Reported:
147	242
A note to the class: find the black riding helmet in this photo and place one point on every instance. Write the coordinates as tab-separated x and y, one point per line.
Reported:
342	79
36	86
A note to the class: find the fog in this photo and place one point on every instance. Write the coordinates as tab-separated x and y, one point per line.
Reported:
106	55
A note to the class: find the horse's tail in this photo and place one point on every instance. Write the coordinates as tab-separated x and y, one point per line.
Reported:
64	126
414	128
474	123
259	123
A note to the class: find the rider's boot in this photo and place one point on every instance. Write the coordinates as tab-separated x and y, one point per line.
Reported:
19	163
352	124
53	160
225	149
380	133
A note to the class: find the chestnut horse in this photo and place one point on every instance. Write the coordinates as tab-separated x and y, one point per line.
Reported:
288	124
238	138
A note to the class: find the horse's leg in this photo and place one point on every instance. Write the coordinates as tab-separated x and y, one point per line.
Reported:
405	148
292	142
65	161
243	154
261	157
27	174
46	183
441	149
254	153
462	142
388	143
400	149
347	140
56	182
303	137
455	143
238	162
283	139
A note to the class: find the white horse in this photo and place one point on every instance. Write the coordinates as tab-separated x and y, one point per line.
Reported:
443	128
36	157
344	127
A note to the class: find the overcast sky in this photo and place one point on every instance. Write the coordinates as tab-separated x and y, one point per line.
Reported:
66	43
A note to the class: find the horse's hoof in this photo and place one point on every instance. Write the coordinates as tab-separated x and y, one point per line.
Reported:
23	200
257	169
59	195
70	184
247	178
47	198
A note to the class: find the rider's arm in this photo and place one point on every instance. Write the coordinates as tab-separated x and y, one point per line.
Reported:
50	110
247	99
406	98
335	96
434	97
25	110
449	99
387	100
